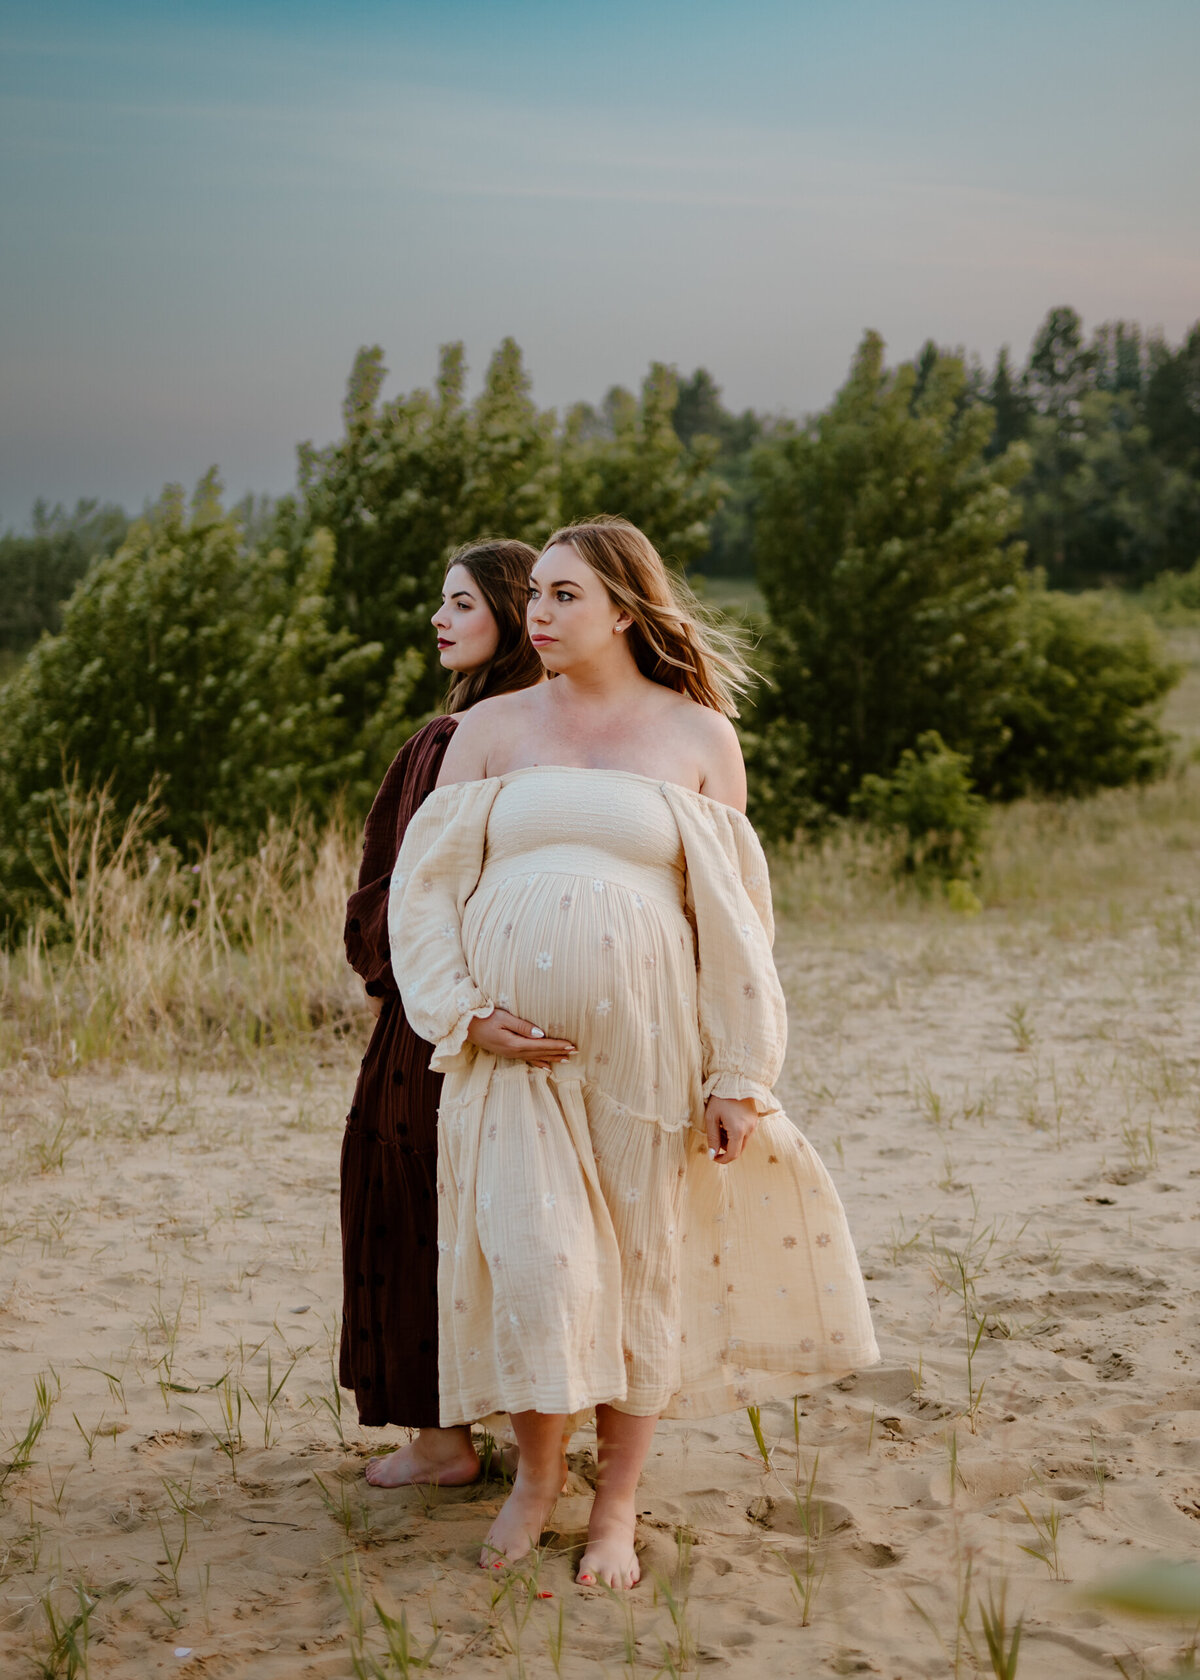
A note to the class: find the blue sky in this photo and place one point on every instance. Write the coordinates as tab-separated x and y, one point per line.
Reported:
208	207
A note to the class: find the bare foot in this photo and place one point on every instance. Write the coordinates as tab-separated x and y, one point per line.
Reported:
444	1458
523	1516
610	1559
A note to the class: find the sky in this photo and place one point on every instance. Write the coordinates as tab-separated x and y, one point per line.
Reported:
207	207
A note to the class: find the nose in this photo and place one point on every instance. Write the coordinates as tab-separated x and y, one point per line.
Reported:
439	620
537	613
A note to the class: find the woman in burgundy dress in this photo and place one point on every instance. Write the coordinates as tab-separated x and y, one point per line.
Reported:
389	1352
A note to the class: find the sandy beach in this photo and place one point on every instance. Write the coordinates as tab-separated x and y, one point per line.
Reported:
1009	1105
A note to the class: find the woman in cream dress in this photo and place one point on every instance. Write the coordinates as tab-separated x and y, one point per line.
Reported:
581	924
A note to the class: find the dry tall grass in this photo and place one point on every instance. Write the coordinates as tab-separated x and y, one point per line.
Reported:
222	959
166	960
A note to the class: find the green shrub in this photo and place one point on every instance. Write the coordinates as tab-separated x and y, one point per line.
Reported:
189	663
778	774
1174	597
927	807
884	551
1083	707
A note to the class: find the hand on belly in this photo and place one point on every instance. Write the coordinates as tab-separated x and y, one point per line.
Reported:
503	1034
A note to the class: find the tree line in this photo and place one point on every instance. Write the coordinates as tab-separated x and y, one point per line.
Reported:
246	660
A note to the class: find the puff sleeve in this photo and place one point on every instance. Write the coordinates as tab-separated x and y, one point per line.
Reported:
438	869
741	1008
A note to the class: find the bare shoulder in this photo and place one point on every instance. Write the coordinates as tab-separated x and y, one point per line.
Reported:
480	731
718	753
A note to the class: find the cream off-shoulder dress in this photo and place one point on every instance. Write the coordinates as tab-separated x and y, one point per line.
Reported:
589	1249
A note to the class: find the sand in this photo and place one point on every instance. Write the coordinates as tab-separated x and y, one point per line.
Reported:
1008	1103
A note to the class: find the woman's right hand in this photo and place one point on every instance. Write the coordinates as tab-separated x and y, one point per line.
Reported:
504	1034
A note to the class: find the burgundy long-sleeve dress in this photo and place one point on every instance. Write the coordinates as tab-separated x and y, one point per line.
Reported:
389	1353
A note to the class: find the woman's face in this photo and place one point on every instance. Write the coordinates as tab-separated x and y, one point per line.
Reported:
468	635
573	620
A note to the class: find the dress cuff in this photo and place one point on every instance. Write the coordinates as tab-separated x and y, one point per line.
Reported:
449	1053
736	1087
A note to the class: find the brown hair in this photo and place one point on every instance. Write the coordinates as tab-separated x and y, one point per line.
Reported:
675	640
499	567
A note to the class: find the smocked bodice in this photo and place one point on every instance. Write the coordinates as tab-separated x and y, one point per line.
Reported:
550	820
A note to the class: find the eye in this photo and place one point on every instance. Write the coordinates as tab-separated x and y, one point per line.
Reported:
563	595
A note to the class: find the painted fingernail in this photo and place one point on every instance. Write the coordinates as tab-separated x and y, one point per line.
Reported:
536	1032
712	1154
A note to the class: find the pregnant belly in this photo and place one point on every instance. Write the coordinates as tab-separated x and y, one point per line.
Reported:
589	960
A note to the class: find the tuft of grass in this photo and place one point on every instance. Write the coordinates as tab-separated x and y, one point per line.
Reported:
754	1413
46	1390
1046	1529
62	1651
1003	1643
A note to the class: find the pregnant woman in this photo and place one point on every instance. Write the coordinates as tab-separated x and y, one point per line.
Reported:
627	1221
389	1317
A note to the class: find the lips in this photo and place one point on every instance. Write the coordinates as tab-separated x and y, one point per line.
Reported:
443	643
542	641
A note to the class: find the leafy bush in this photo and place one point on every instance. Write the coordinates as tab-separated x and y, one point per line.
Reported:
928	807
1174	597
777	779
884	552
1082	711
188	663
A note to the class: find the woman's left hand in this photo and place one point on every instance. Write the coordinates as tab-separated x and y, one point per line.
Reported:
730	1125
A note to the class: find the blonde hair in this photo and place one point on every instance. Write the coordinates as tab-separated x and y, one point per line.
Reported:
675	640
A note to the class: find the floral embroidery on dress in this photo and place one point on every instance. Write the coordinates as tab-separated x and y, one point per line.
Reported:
607	942
603	1007
807	1345
485	1199
598	886
549	1199
748	990
655	1032
544	959
639	901
824	1240
633	1194
789	1242
838	1336
564	902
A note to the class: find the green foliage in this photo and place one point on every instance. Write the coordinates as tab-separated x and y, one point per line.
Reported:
1101	503
1082	711
635	463
186	662
927	805
778	774
699	412
1174	597
407	482
38	572
1113	425
885	555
